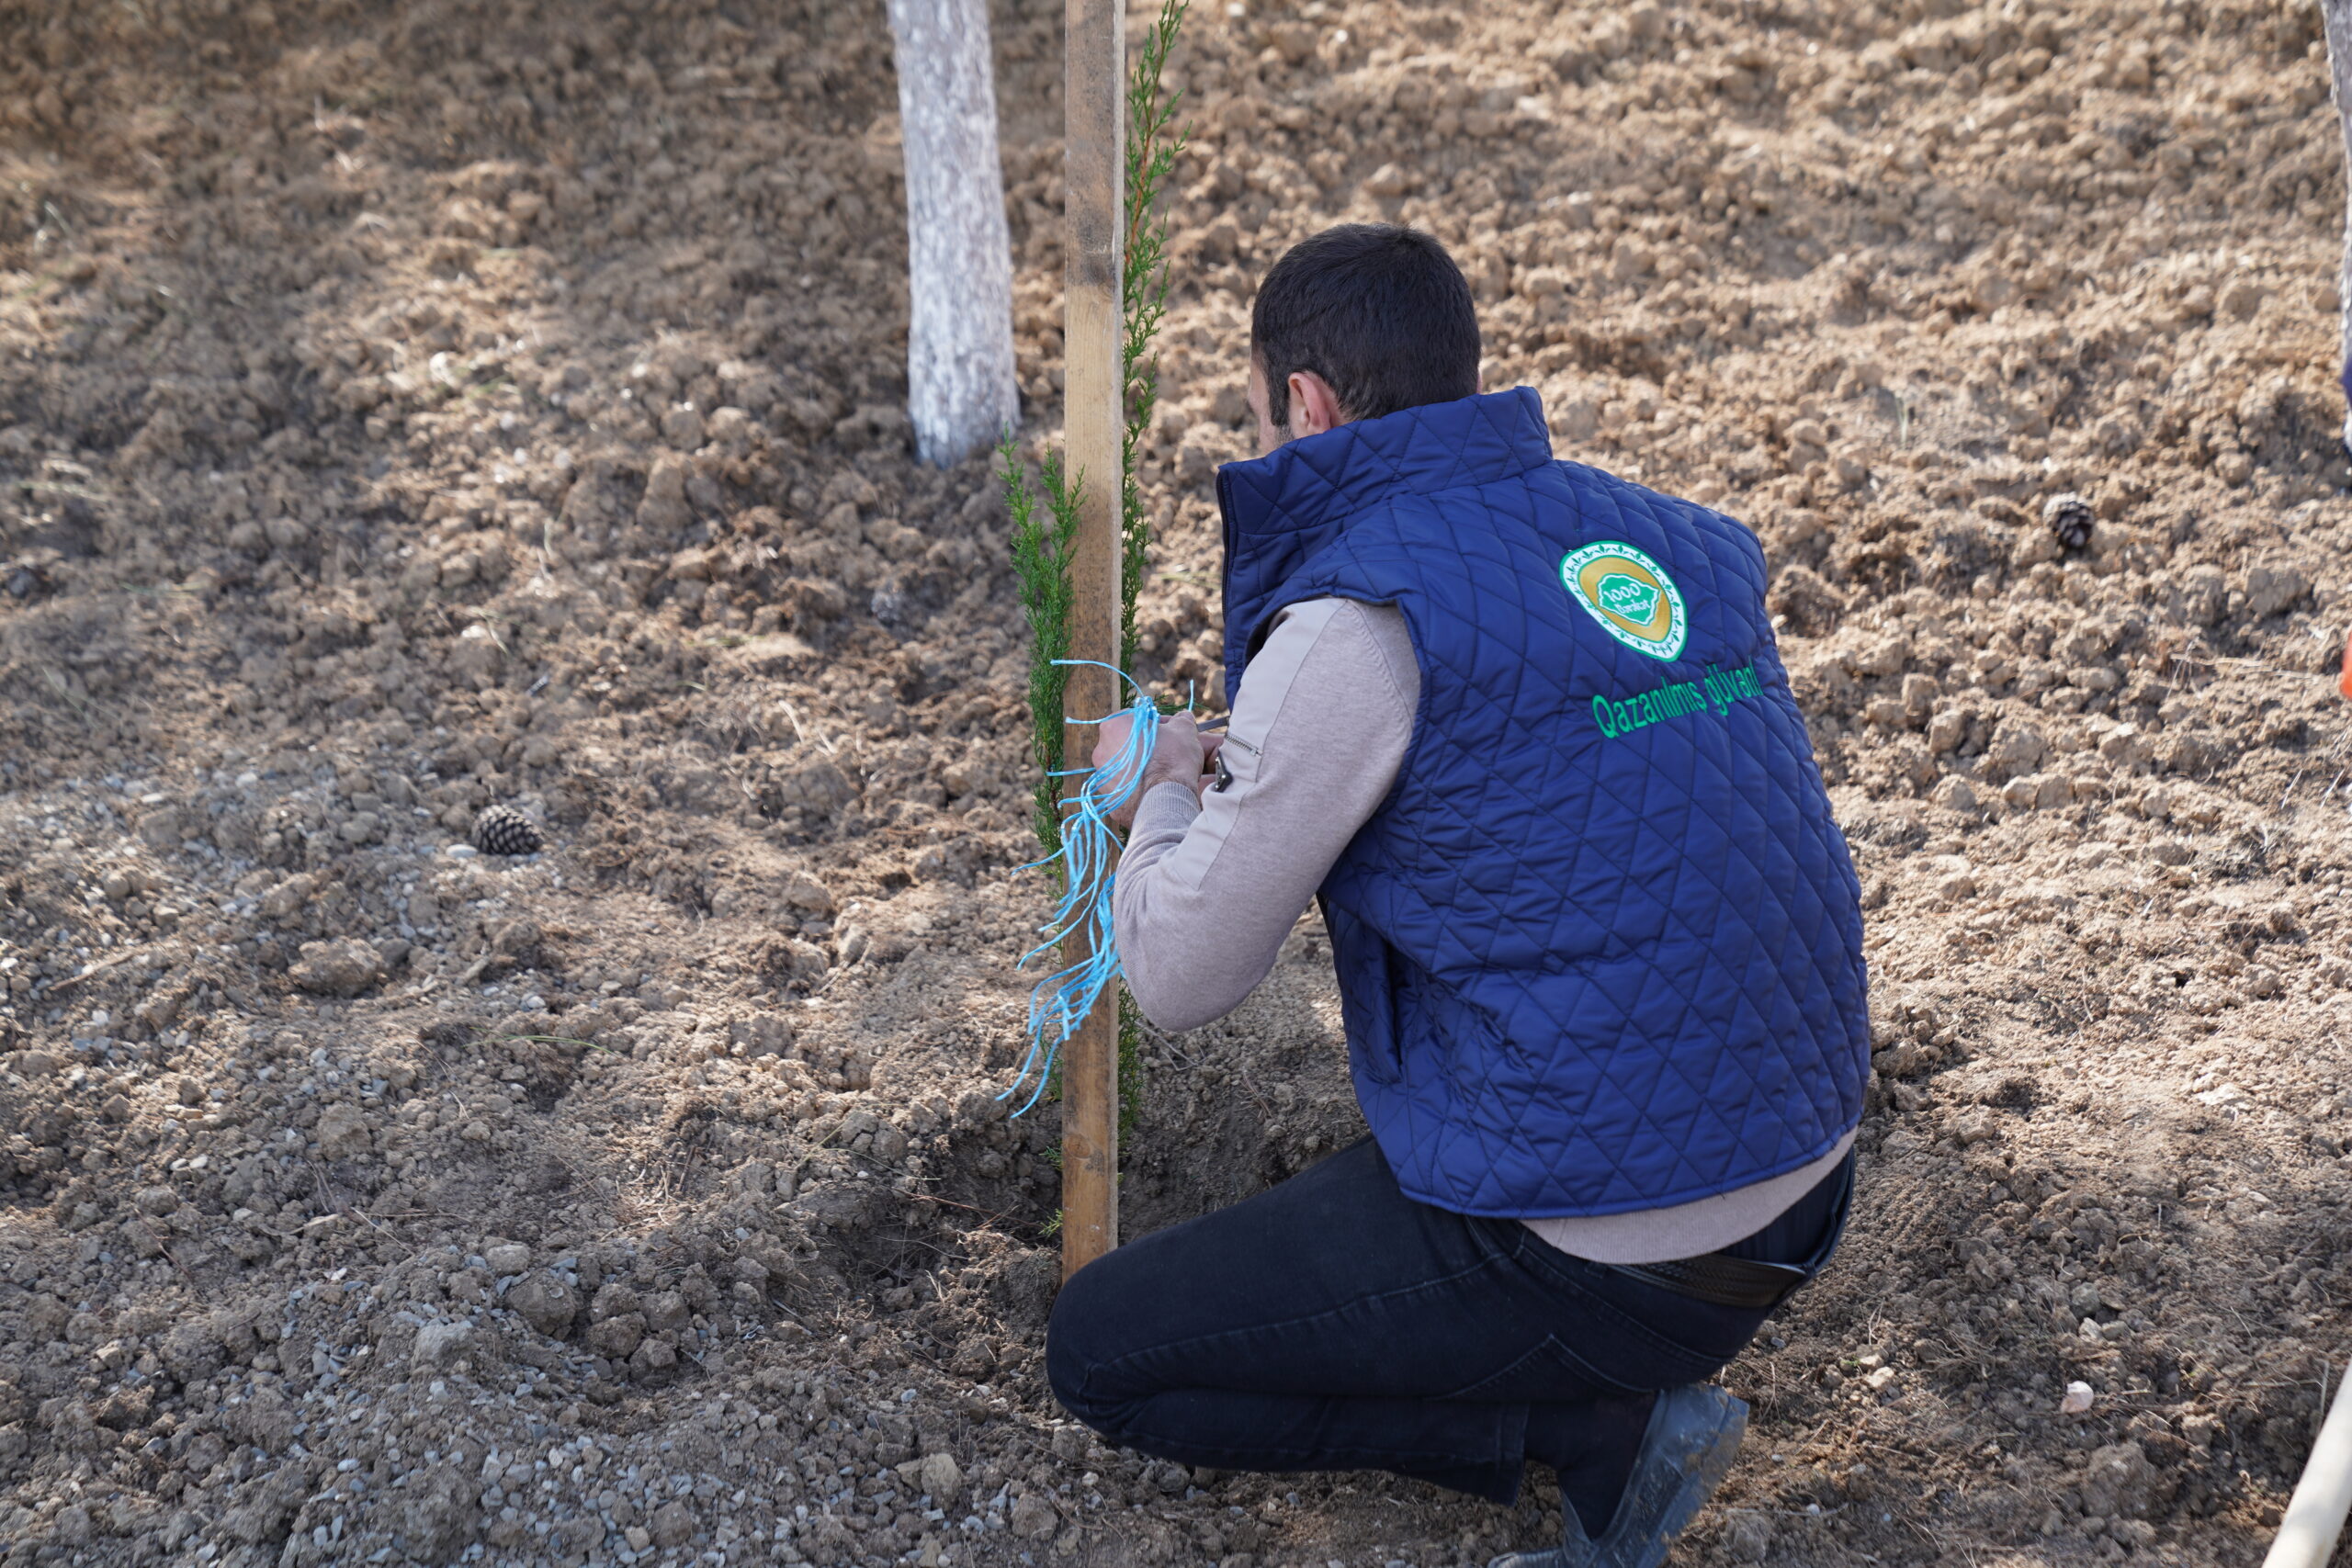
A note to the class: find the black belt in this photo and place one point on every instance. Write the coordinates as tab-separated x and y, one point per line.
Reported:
1720	1281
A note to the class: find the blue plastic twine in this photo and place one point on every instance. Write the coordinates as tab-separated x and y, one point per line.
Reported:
1060	1001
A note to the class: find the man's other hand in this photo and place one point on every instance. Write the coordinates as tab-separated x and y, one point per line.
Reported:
1180	754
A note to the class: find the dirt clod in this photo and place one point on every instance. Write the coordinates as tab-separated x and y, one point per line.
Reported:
343	967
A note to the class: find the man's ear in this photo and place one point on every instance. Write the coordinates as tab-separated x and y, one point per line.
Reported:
1314	407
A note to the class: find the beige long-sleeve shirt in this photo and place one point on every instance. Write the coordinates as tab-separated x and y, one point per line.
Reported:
1210	884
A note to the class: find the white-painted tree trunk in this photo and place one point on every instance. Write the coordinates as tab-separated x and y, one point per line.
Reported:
961	393
2336	15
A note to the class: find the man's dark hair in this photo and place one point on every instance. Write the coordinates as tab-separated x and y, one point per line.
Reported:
1378	311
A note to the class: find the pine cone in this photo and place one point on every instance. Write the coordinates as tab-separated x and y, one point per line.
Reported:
502	831
2069	518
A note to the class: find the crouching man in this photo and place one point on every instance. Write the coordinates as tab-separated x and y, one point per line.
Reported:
1521	728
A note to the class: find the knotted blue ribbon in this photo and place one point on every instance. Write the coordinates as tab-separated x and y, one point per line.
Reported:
1062	1001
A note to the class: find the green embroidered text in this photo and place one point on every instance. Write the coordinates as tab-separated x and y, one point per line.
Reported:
1716	690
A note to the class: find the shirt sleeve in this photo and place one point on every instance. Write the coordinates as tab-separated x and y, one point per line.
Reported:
1210	886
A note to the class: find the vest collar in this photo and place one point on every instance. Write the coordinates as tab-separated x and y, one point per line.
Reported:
1284	507
1318	481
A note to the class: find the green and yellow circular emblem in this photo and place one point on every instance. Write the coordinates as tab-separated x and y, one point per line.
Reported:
1630	594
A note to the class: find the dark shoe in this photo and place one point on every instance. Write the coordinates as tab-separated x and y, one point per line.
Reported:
1693	1433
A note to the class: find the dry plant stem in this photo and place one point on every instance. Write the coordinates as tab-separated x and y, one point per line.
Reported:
1093	426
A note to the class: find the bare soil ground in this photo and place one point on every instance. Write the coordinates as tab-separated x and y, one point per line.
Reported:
410	407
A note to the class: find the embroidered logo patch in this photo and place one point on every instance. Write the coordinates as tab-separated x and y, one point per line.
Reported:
1630	594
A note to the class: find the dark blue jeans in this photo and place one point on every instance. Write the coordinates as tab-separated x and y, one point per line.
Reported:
1332	1322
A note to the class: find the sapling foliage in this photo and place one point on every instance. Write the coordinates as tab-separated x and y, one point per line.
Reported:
1045	515
1154	143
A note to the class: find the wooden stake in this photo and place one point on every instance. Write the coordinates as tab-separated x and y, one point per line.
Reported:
1093	168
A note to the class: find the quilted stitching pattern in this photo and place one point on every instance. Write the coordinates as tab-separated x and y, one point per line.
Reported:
1581	975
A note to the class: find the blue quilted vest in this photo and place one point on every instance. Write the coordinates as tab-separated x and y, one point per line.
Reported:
1600	949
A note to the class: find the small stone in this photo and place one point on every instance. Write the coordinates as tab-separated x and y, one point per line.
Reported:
941	1477
507	1257
2078	1400
157	1200
438	1344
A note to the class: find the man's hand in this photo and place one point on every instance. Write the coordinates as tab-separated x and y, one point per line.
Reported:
1180	754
